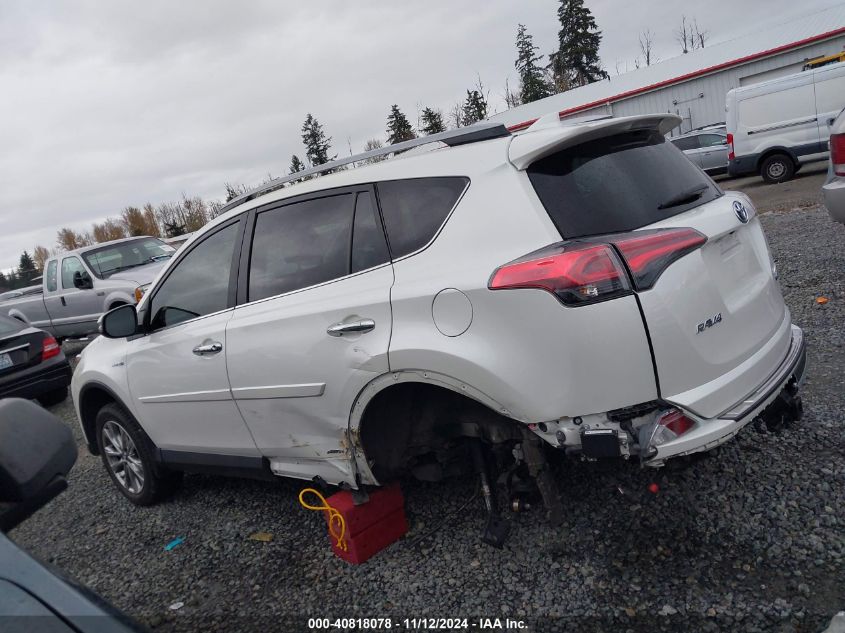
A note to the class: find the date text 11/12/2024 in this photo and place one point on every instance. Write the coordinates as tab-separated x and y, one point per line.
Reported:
416	624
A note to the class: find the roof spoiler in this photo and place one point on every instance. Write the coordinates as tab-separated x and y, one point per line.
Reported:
547	136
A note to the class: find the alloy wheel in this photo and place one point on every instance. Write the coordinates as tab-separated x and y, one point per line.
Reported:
123	458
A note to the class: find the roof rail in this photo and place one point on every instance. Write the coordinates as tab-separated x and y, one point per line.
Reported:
461	136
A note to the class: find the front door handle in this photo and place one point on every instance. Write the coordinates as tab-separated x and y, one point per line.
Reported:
339	329
208	349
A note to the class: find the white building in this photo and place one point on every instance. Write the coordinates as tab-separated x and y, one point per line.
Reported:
694	85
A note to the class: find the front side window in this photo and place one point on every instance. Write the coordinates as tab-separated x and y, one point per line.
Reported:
711	140
199	283
415	209
70	265
52	281
300	245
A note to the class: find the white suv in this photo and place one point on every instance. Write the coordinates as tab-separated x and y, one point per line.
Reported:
574	289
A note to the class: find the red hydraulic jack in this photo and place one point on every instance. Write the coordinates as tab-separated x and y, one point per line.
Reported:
357	532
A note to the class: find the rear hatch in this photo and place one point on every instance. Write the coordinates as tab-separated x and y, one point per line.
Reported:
710	301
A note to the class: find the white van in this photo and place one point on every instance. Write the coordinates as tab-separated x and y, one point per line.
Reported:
776	126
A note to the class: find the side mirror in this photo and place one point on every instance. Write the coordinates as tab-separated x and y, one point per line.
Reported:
82	280
120	322
37	452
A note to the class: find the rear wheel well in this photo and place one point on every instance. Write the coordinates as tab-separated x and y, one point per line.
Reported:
772	152
92	400
420	429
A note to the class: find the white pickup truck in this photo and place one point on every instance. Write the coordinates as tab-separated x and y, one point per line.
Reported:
80	285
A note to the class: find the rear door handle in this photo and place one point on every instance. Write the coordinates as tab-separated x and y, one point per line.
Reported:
64	303
208	349
339	329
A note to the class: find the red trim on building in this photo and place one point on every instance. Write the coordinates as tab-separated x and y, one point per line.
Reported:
698	73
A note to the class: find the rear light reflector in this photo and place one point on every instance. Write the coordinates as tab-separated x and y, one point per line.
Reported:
669	426
837	153
676	422
731	154
50	347
576	273
649	253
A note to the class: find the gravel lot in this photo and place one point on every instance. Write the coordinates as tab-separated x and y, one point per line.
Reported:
750	538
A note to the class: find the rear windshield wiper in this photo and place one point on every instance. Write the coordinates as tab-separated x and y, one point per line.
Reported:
690	195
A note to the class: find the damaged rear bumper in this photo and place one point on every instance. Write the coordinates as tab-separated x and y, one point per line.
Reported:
775	398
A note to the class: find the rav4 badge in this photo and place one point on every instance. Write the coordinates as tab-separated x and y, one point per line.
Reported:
706	325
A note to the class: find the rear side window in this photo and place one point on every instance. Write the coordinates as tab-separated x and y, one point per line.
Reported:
415	209
52	267
300	245
619	183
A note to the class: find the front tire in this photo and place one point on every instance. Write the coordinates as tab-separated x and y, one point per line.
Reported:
777	168
128	458
53	397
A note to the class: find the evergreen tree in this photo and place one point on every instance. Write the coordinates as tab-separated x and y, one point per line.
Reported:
576	62
475	108
398	127
317	144
296	165
3	282
532	78
432	122
26	267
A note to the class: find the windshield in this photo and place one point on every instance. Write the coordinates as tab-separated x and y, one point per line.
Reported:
617	184
111	259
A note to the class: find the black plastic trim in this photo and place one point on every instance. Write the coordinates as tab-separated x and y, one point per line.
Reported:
242	466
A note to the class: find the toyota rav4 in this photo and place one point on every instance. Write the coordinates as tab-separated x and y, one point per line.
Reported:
579	289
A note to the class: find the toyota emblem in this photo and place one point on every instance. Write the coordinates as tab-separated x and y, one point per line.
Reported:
741	211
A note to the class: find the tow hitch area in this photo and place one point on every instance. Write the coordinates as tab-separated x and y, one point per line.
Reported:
786	409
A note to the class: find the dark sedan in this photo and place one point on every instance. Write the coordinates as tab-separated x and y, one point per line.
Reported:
32	364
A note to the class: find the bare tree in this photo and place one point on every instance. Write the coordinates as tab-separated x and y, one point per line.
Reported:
683	35
70	240
371	145
40	255
110	229
690	36
512	98
456	115
699	36
646	46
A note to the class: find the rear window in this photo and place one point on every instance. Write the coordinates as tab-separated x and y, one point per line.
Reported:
415	209
619	183
8	325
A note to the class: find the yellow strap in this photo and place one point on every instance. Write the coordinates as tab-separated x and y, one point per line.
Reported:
335	517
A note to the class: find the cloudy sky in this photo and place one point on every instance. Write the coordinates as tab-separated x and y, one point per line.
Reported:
111	103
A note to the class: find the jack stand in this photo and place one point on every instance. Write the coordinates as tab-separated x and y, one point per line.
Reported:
497	529
539	470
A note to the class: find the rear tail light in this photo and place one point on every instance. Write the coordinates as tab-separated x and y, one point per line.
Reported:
575	273
669	426
579	273
50	347
837	153
731	154
649	253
